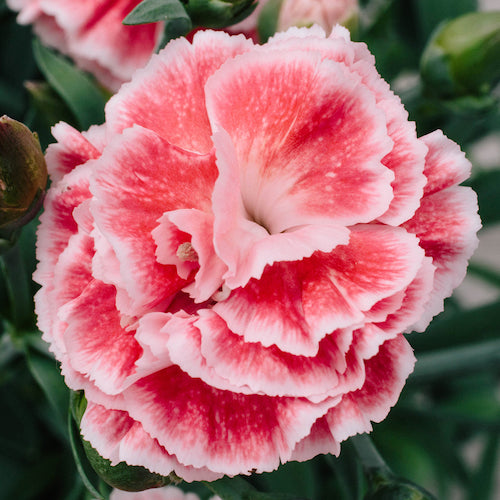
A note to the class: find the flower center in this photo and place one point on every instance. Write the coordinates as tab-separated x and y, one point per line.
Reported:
186	252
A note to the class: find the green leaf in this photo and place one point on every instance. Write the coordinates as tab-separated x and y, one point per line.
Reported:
457	361
75	87
482	483
268	19
46	372
17	281
153	11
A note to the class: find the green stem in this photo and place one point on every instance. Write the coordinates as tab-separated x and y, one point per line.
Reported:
368	455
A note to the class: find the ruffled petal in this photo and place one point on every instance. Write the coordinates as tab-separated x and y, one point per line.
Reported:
258	245
162	85
119	438
445	164
296	165
446	223
97	345
386	374
224	431
71	150
138	178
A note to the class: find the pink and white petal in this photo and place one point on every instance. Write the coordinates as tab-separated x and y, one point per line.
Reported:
271	311
446	223
182	339
296	166
71	276
138	178
377	262
445	164
164	493
119	438
319	441
199	226
279	373
97	345
57	223
71	150
152	340
224	431
381	309
258	247
386	373
414	304
406	159
162	85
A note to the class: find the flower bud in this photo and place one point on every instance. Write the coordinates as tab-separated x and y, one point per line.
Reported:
386	486
23	175
218	13
463	56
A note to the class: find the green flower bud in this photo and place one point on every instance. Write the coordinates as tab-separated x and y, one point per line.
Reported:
122	475
23	176
463	56
218	13
386	486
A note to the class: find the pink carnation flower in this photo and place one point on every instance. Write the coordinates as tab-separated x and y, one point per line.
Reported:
229	262
167	493
92	33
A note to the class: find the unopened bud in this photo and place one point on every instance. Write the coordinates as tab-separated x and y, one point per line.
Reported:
218	13
463	56
23	176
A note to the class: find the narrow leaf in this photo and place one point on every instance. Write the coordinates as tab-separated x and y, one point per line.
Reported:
456	361
153	11
75	87
47	374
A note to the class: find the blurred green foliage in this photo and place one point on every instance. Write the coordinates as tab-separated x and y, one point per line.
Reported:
444	432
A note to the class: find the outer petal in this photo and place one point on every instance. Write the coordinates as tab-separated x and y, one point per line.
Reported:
386	374
72	149
119	438
162	85
227	432
57	226
447	220
97	345
445	164
406	159
138	178
446	223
